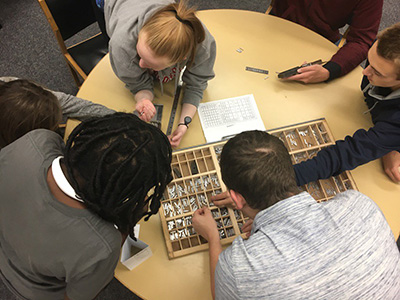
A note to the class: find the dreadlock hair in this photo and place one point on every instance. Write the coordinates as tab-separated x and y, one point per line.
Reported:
114	163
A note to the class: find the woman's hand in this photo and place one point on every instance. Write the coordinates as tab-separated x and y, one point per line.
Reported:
145	109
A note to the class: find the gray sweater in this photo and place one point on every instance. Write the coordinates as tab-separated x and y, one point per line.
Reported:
124	19
74	107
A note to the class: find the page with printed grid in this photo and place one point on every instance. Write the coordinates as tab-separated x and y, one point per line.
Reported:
225	118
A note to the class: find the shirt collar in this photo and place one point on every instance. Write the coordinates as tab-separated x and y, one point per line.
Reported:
282	209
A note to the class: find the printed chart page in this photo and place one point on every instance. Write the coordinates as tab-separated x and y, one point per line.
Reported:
225	118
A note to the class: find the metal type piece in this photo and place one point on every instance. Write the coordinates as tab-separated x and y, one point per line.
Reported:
224	211
180	222
177	207
177	173
172	192
193	203
215	213
202	200
193	167
198	185
239	50
237	214
191	188
227	222
257	70
173	236
181	190
206	181
230	232
185	205
168	210
214	180
219	223
188	220
171	225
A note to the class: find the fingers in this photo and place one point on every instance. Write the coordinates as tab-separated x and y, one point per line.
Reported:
391	165
393	174
225	202
199	212
396	174
300	77
221	196
223	199
176	137
247	226
146	110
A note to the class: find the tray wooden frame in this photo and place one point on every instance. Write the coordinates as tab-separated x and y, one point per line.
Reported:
302	140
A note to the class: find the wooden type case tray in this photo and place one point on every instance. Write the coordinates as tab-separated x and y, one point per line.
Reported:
196	177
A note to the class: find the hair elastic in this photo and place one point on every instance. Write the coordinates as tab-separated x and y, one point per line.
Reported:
62	181
183	21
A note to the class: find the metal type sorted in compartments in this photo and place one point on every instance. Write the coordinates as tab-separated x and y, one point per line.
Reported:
291	136
176	205
193	203
168	210
181	190
206	182
218	151
202	200
177	172
197	178
172	194
215	181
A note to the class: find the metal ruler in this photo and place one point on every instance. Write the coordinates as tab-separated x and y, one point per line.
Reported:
175	104
251	69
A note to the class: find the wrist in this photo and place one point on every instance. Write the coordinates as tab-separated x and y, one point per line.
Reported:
213	238
186	122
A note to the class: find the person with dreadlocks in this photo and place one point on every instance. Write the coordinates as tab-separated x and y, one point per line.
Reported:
154	40
66	208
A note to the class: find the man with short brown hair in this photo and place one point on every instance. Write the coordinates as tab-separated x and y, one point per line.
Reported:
381	87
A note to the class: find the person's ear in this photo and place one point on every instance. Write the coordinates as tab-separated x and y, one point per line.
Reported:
237	198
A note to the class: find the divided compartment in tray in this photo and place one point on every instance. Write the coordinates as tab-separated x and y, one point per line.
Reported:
187	195
196	179
192	163
304	136
183	236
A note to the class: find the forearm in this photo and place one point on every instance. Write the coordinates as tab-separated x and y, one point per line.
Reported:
74	107
144	94
187	110
364	146
215	250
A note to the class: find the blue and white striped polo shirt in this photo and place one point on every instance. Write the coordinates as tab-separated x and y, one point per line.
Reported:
301	249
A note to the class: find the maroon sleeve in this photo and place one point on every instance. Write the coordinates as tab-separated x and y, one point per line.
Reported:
363	29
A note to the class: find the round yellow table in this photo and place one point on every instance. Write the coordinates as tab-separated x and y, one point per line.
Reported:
268	43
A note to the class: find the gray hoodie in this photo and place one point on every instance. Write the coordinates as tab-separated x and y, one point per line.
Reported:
124	19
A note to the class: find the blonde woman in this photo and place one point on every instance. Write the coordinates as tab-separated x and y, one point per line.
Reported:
153	41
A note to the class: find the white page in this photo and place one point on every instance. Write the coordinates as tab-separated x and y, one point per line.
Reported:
225	118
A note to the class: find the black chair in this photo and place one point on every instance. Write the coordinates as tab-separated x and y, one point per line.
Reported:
66	19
